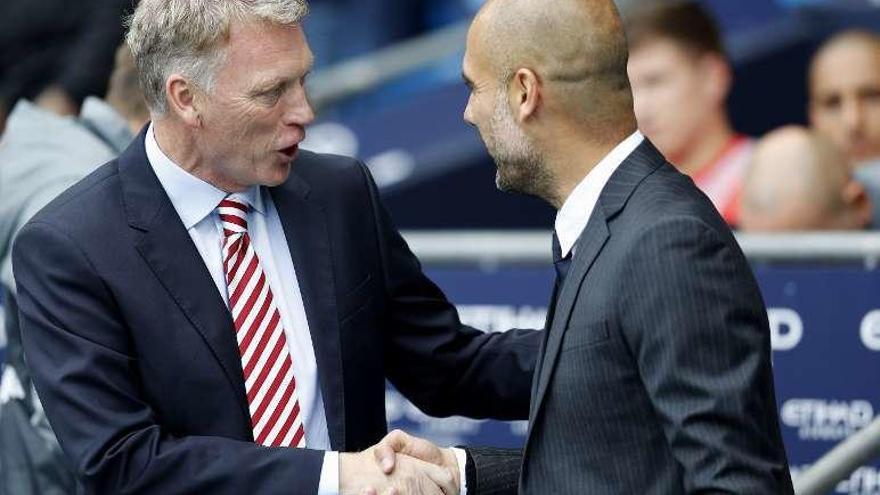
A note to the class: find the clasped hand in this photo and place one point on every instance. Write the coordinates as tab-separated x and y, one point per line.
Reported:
400	464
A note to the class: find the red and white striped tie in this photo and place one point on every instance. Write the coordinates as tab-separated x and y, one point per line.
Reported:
276	418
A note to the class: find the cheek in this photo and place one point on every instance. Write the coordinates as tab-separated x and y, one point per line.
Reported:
872	118
827	121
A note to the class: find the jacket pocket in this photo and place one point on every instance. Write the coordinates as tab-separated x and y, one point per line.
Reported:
578	336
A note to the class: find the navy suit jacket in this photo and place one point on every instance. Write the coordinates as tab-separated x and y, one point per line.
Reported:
133	350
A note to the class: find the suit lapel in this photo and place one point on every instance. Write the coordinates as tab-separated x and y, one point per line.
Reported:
589	245
168	249
551	310
634	169
308	238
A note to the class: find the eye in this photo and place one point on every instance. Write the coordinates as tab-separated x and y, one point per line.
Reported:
831	102
871	95
271	96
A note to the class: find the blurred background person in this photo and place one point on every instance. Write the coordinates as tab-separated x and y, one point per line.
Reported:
56	52
844	89
41	155
681	78
799	181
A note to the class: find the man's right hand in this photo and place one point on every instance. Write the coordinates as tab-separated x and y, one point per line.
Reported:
399	445
359	473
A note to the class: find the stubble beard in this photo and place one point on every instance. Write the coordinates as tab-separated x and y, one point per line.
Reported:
518	161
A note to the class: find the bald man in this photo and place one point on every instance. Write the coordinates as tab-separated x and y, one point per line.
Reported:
845	102
797	181
654	374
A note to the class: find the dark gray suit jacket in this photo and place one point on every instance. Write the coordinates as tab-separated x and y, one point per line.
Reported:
654	376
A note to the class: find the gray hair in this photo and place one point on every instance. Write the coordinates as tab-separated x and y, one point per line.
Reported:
189	36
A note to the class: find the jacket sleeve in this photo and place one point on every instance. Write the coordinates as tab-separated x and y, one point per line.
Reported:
492	471
702	344
446	368
84	368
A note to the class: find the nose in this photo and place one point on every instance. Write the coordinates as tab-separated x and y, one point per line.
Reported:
468	113
853	116
299	111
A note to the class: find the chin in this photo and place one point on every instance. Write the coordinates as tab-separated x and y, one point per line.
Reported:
277	175
505	183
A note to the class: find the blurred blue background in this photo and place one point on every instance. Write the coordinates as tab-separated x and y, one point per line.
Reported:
410	130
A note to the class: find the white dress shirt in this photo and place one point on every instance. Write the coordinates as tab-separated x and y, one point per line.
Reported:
195	202
572	218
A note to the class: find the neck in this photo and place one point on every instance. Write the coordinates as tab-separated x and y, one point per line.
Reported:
179	144
572	158
700	153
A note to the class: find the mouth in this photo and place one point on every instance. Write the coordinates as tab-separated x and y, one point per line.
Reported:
290	152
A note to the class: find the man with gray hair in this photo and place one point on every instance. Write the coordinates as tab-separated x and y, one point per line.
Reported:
216	311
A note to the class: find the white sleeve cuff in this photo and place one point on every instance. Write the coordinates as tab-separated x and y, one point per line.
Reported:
329	484
461	457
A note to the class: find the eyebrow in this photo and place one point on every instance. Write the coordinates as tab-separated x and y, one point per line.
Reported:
270	84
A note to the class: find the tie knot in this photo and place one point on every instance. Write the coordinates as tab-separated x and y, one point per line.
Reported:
233	215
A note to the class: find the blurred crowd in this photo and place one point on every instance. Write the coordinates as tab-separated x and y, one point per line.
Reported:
825	176
822	177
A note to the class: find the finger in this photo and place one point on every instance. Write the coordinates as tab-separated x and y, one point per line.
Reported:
397	440
384	455
404	443
369	491
439	476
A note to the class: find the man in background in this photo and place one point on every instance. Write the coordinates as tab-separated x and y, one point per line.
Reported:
42	154
798	181
681	78
844	88
56	53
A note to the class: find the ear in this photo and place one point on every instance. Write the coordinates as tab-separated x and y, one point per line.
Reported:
181	96
524	93
718	77
857	201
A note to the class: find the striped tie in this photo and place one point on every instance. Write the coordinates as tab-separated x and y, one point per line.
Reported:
265	358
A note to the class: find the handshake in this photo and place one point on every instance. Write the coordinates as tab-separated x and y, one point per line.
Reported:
400	464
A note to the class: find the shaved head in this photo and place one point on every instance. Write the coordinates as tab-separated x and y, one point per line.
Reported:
797	180
578	48
549	91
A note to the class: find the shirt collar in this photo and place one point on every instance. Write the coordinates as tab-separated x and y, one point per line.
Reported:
193	198
572	218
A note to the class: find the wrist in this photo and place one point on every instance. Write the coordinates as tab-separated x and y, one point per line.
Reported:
450	461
